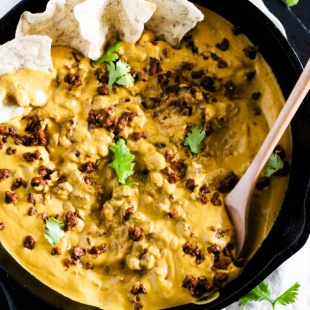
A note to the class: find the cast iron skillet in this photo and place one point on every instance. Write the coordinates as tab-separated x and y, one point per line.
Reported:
292	227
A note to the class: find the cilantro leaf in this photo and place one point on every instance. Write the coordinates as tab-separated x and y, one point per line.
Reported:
259	293
54	230
113	74
273	164
289	296
122	161
262	292
118	70
291	2
117	75
194	139
111	53
126	80
122	68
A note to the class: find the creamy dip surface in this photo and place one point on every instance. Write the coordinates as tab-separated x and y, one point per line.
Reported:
165	239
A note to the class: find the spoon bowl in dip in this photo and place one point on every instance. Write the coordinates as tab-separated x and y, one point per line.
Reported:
237	202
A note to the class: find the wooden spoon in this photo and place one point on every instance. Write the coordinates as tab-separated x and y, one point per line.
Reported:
237	202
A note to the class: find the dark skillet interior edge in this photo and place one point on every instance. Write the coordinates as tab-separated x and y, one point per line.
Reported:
292	227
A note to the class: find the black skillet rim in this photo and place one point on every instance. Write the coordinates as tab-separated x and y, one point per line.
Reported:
287	246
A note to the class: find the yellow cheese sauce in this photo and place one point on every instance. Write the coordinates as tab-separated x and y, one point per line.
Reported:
165	240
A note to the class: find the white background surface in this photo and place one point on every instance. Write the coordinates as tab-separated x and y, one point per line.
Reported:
296	269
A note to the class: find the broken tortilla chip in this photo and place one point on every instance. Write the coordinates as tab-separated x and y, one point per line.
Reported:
173	19
101	20
31	52
58	22
88	25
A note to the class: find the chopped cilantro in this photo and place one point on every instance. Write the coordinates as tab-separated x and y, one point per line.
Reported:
122	161
262	292
54	230
273	164
194	139
111	53
118	74
291	2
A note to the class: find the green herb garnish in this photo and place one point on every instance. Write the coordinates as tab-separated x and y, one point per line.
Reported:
118	74
262	292
122	161
273	164
118	70
111	53
54	230
194	139
291	2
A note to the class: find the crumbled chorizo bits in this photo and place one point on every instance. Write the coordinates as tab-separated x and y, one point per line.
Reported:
17	183
56	251
11	151
216	201
197	286
73	80
190	184
78	252
139	135
4	174
30	242
2	225
31	157
10	197
172	176
71	220
188	248
135	233
97	250
222	258
31	199
88	167
72	261
204	190
130	210
136	289
36	133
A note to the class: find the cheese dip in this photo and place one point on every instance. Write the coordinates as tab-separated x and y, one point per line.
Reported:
162	237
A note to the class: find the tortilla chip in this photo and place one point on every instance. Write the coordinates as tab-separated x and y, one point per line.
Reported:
58	22
173	19
101	20
87	25
32	52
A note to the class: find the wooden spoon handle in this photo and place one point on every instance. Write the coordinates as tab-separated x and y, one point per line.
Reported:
292	104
